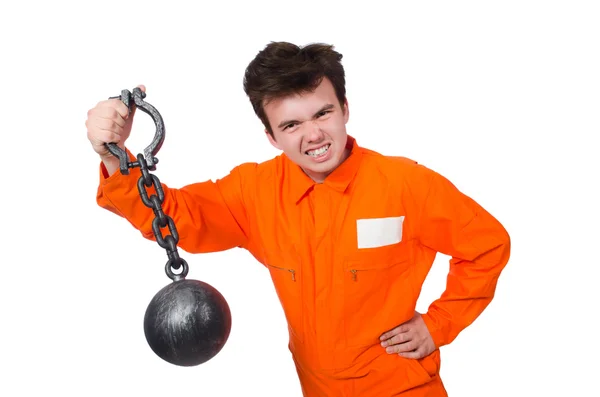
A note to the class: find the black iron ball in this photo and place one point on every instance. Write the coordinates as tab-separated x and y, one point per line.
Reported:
187	322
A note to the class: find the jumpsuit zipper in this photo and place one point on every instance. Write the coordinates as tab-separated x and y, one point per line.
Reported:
292	271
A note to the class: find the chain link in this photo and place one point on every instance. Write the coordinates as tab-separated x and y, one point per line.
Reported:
161	220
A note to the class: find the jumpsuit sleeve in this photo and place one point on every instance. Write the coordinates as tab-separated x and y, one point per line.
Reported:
455	225
209	216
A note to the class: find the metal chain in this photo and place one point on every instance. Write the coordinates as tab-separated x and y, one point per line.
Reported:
147	180
161	220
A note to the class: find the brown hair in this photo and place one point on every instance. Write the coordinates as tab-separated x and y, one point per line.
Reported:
282	69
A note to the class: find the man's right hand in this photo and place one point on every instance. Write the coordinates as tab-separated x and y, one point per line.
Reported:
109	122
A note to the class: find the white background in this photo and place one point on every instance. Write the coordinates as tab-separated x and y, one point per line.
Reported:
500	97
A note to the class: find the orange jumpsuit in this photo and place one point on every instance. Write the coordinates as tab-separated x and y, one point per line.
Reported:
347	257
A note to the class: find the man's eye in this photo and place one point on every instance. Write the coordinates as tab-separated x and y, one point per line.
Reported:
289	126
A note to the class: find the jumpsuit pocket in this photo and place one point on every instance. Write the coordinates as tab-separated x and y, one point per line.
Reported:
431	363
286	280
378	291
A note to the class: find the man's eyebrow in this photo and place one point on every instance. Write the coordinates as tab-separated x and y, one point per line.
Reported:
326	107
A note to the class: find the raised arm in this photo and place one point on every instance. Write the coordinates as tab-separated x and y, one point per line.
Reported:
209	216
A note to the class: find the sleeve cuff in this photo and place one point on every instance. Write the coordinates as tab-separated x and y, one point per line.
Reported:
435	330
105	178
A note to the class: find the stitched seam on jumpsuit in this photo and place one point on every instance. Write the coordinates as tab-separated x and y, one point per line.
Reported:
247	233
422	210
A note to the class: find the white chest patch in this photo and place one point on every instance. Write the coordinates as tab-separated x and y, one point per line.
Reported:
379	232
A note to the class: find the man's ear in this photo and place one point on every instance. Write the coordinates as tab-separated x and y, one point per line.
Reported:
272	140
346	111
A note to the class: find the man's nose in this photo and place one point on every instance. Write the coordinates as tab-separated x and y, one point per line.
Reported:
315	133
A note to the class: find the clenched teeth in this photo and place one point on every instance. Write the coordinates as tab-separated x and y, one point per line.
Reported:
319	151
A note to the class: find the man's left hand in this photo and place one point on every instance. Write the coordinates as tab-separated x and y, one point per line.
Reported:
410	339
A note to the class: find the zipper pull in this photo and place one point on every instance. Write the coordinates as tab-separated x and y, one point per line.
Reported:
353	271
293	274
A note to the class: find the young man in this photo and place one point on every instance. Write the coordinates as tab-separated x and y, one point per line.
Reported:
348	235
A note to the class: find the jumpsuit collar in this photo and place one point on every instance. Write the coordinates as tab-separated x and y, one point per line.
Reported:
299	183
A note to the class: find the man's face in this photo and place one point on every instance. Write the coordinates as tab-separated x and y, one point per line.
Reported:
310	128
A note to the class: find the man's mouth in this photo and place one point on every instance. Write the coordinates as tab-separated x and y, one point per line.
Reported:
319	151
